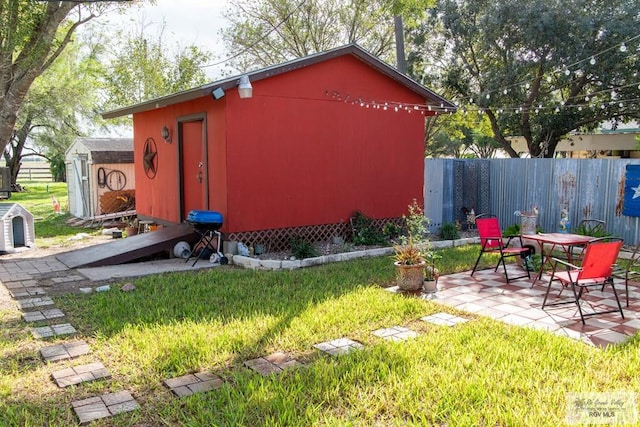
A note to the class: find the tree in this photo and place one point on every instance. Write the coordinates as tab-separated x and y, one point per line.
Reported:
269	32
32	35
459	135
538	69
59	104
145	67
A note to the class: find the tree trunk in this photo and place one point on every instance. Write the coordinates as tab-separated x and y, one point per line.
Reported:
400	56
14	157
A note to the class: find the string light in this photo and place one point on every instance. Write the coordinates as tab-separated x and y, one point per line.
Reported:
570	69
437	109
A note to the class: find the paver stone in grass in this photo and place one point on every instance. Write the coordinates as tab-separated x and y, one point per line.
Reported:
64	351
181	381
92	411
272	364
79	374
34	316
395	333
189	384
26	292
34	302
104	406
53	330
338	346
444	319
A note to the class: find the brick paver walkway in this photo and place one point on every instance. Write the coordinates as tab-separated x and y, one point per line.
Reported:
517	303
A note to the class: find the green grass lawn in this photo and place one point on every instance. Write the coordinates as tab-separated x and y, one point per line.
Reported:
479	373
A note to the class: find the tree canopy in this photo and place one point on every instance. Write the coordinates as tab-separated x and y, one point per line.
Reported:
60	106
538	69
146	66
32	35
268	32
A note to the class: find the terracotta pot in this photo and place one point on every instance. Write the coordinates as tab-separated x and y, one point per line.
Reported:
409	277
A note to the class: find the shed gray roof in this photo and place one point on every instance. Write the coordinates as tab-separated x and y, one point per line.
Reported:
231	82
107	144
109	150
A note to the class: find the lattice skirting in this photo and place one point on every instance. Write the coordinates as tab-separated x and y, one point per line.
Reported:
278	239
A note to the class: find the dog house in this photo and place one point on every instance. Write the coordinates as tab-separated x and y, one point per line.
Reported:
17	227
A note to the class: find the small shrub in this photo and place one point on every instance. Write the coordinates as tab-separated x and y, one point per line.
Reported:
593	229
416	222
512	230
364	231
449	231
391	231
301	248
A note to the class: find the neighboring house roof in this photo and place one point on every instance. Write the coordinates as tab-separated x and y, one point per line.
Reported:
231	82
108	150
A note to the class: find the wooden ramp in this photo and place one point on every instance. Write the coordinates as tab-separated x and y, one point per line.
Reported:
121	251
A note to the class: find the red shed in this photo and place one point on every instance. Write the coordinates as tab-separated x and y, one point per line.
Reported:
320	137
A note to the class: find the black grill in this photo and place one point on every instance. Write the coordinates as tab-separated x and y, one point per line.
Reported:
207	224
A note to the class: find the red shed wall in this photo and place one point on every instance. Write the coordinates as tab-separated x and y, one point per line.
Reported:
159	198
297	155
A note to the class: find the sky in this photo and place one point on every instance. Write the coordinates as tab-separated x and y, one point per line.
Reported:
188	22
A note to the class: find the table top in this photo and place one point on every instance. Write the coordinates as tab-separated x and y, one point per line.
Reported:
559	238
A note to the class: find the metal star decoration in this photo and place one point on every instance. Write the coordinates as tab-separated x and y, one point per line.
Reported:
150	158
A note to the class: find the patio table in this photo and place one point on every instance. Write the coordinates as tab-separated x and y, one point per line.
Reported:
561	241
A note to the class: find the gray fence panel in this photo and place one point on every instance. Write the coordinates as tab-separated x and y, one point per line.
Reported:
435	192
587	188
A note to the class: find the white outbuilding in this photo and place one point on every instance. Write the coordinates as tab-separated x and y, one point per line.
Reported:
17	229
96	166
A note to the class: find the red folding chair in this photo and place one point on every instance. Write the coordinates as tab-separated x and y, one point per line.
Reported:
492	242
600	255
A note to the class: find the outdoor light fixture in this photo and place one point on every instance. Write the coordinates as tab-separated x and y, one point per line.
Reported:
166	135
244	87
217	93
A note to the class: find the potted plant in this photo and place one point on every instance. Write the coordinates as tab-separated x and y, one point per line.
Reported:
410	265
131	228
410	254
431	273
